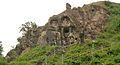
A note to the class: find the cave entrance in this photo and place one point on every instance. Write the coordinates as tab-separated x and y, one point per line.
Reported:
66	30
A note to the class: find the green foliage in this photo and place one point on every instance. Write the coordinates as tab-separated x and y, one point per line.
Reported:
27	26
104	35
112	26
21	63
1	48
100	42
2	62
35	54
116	37
109	63
100	55
95	61
114	8
18	45
19	39
85	57
114	19
117	59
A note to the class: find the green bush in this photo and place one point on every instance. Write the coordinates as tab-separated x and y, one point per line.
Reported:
109	63
113	51
21	63
116	37
117	60
34	54
100	42
85	57
72	62
3	63
114	19
110	51
100	55
95	61
104	35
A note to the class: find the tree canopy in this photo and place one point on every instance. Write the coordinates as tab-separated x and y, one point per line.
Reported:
27	26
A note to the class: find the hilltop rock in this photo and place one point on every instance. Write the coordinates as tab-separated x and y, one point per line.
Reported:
68	6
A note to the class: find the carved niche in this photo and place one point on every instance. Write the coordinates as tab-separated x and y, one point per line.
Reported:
54	22
65	21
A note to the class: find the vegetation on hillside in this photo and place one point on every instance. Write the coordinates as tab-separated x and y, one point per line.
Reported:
105	50
2	62
1	57
32	57
1	48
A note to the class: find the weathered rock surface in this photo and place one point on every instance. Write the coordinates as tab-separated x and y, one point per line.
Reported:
65	27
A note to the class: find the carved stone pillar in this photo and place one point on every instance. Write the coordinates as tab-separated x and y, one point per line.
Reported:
62	36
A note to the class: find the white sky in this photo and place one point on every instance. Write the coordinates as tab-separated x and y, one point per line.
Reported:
13	13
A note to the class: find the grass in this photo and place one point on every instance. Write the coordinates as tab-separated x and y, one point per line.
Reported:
33	56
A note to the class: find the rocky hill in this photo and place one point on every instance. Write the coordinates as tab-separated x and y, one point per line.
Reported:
84	22
78	25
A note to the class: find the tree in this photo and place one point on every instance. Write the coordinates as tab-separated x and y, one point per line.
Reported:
1	48
19	39
27	26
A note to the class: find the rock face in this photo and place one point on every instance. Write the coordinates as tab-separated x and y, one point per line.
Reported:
66	27
90	19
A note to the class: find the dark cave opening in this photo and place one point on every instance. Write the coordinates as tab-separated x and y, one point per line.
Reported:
66	30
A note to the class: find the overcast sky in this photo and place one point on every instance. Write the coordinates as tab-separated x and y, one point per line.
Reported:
13	13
